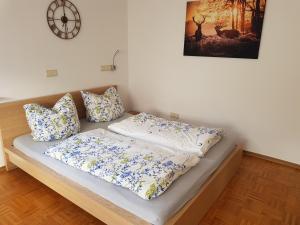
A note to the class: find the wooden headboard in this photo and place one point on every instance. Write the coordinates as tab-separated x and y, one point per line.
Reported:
12	116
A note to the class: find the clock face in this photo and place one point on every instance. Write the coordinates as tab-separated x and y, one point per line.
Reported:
63	19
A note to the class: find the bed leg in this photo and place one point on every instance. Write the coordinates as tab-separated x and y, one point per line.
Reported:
8	164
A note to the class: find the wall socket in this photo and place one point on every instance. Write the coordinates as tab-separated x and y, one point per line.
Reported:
108	68
174	116
51	73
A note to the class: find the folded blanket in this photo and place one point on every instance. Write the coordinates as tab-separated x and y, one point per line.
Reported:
146	169
172	134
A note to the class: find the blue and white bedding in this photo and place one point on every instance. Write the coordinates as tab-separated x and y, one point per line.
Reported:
156	211
172	134
146	169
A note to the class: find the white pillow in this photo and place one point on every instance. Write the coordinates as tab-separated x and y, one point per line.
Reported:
103	108
53	124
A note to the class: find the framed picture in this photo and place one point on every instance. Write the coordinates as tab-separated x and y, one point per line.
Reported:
224	28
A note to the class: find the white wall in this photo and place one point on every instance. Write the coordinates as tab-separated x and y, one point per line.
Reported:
260	99
28	48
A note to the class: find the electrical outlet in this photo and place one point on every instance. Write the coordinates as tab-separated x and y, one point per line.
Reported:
174	116
51	73
108	68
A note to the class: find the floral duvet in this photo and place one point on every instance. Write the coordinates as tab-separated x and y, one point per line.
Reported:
172	134
146	169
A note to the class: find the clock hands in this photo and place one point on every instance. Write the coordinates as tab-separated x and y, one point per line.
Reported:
51	19
65	26
64	4
72	20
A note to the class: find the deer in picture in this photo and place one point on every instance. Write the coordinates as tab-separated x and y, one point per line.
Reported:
198	33
233	33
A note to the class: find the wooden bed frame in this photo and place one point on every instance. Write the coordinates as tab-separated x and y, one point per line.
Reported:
13	123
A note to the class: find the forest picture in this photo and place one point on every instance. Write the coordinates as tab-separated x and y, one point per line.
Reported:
224	28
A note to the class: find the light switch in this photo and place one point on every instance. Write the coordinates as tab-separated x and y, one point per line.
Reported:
51	73
108	68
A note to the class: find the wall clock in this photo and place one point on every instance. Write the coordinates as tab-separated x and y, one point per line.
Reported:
63	19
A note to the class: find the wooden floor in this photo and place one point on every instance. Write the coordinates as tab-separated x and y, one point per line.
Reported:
262	193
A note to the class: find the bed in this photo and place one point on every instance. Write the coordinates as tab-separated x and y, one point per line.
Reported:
185	202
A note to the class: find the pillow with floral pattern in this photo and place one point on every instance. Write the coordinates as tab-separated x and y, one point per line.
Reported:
103	108
57	123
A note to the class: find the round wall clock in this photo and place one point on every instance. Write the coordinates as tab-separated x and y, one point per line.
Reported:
63	19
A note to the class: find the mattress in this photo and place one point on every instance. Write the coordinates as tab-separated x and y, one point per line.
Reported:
156	211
